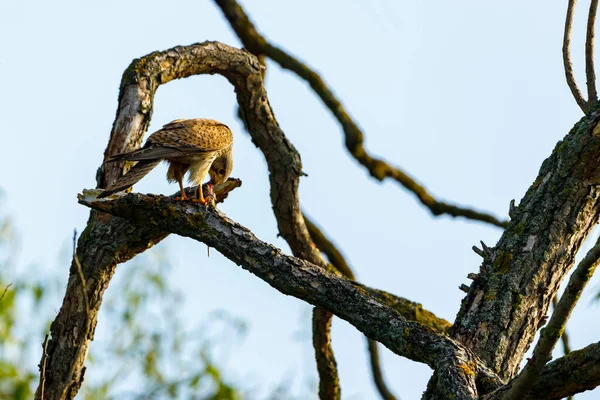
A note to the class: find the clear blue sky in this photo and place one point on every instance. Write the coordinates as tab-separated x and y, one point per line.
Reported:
467	96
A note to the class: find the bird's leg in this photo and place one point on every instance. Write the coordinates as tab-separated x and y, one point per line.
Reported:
201	199
183	197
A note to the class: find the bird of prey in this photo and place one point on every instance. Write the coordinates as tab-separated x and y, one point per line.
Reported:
199	146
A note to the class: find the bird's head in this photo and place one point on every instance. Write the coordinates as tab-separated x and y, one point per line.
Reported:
221	168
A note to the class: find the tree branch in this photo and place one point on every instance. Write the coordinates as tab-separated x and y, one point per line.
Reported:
104	244
380	170
519	277
589	54
456	366
563	377
550	335
564	337
566	50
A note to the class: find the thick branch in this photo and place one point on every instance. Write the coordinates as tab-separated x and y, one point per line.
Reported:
550	335
456	366
590	72
409	309
520	276
566	50
380	170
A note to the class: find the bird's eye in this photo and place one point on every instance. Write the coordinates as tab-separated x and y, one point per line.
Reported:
222	171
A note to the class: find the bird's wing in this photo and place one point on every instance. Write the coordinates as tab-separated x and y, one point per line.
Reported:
136	173
150	151
192	135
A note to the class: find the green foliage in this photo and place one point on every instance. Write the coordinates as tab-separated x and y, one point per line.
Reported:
142	349
149	343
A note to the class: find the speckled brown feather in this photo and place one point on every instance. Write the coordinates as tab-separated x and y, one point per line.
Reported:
193	143
136	173
193	135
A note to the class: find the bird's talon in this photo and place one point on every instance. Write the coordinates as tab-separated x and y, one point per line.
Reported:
203	202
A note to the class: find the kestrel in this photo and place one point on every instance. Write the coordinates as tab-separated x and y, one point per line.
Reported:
199	146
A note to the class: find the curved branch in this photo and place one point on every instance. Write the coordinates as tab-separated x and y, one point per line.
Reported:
103	244
566	50
258	45
456	366
550	335
589	54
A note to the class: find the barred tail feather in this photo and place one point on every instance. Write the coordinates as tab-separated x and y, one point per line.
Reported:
136	173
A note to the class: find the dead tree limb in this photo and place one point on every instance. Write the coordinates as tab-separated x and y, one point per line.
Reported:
347	299
457	369
254	42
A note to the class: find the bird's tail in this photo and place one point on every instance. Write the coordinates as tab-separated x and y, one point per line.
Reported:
136	173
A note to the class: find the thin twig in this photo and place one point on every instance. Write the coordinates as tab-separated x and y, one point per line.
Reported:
556	326
5	290
589	54
566	50
254	42
44	358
